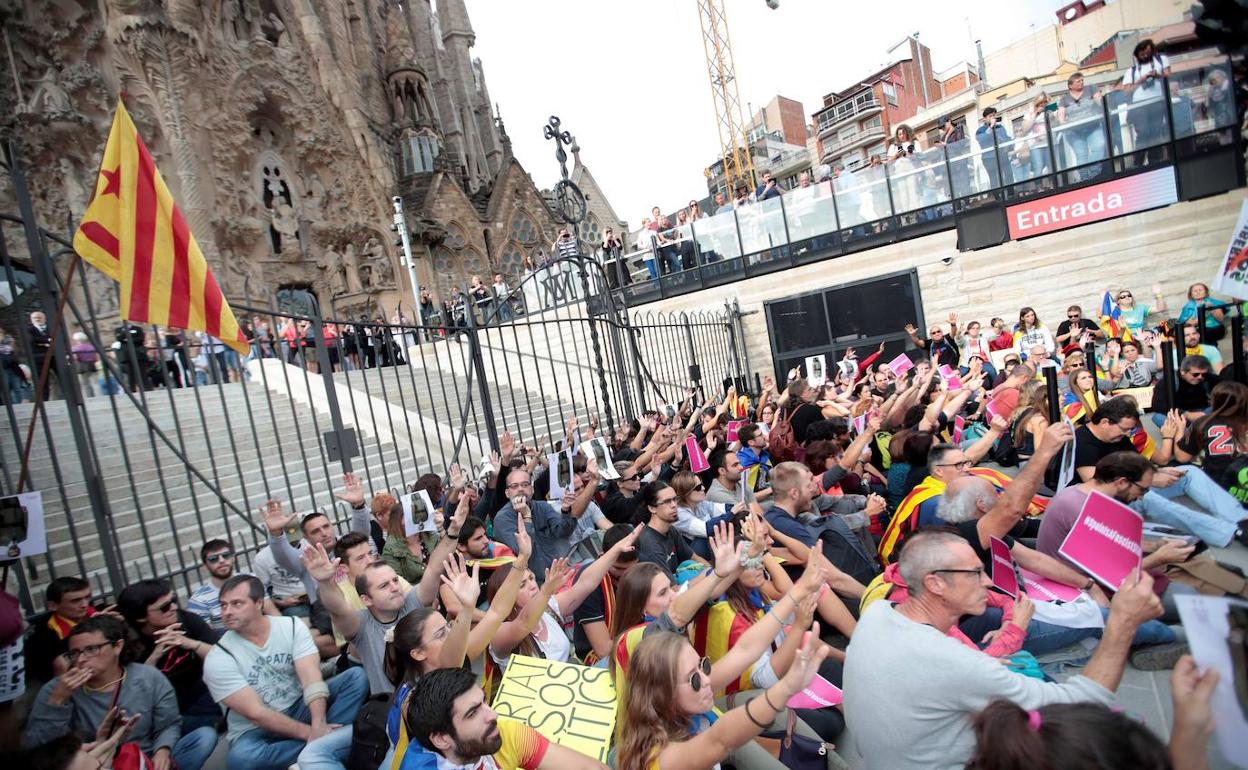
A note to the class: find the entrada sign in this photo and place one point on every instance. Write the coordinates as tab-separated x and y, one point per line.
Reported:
1148	190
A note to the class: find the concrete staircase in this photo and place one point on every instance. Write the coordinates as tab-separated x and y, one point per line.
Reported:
262	443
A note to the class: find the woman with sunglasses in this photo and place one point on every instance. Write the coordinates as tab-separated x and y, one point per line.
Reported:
174	641
696	516
1135	316
104	685
668	721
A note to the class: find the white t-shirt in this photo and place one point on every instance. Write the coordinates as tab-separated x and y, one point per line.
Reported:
1152	88
556	646
280	582
235	663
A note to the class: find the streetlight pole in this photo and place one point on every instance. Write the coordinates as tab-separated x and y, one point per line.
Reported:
405	240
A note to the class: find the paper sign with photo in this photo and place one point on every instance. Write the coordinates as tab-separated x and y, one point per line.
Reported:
597	449
900	365
858	424
816	371
561	469
1216	628
820	693
1066	470
733	427
697	458
485	468
22	530
1004	575
667	410
418	513
1105	540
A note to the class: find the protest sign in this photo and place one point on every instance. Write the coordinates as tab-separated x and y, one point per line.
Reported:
1042	589
900	365
22	530
998	407
1232	278
816	373
1215	627
950	377
733	427
820	693
959	425
858	424
697	458
1105	540
573	706
596	448
1003	574
418	513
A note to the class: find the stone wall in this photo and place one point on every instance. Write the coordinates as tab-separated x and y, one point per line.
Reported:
1174	246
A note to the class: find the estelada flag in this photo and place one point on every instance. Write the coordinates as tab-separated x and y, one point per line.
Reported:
135	234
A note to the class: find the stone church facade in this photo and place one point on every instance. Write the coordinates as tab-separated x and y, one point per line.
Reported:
283	129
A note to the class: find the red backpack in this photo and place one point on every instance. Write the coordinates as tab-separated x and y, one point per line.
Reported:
782	441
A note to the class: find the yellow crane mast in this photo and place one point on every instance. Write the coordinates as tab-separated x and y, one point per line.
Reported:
738	165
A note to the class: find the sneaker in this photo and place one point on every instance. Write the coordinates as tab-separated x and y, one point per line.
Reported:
1158	657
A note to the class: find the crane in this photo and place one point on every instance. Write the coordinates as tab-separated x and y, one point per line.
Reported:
735	152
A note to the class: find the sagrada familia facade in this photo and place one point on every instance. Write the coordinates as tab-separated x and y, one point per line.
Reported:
284	128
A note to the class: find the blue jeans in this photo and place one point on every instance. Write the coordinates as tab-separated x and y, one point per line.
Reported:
193	749
1219	513
261	750
1043	638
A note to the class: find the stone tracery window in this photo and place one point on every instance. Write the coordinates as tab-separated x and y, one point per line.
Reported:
591	231
511	260
523	230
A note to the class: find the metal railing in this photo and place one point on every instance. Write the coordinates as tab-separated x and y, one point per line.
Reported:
1120	135
168	439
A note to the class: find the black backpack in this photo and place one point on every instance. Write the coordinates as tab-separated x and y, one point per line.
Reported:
369	741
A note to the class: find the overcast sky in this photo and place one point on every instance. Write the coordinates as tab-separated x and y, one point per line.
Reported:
628	77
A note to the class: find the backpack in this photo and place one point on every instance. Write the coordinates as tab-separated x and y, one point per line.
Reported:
1003	452
369	741
782	441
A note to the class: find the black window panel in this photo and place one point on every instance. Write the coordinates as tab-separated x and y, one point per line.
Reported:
799	323
871	309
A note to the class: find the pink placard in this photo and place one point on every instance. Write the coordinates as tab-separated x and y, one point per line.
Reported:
819	694
997	408
697	458
733	427
959	425
946	371
858	424
900	365
954	382
1003	574
1042	589
1105	540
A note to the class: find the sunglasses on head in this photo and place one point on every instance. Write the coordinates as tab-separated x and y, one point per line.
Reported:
704	670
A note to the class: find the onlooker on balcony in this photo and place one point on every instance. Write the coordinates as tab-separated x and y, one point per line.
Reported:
1147	114
664	251
1079	129
682	240
769	188
721	205
1033	149
990	134
901	152
952	138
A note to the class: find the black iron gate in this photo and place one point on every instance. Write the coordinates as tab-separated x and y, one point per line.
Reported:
171	439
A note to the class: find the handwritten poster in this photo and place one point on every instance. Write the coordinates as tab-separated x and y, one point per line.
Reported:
571	705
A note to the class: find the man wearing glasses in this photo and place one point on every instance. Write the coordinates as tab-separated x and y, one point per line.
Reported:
904	676
217	557
1070	330
548	527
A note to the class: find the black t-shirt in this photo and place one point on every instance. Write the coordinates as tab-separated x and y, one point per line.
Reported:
667	551
970	531
1084	324
945	352
801	419
1187	397
1089	449
183	668
1214	442
592	610
620	509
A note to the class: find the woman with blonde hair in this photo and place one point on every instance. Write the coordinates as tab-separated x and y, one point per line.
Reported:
668	721
1081	399
1030	419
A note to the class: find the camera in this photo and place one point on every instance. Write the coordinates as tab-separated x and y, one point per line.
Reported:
397	200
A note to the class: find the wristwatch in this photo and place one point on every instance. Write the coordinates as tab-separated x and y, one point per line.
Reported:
1088	585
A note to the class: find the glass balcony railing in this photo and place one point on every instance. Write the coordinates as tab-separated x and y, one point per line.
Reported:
1190	113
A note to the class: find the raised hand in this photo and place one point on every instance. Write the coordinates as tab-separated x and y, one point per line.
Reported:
1057	435
507	443
806	663
769	384
999	423
275	518
724	549
456	476
460	516
805	613
120	725
911	329
318	563
464	583
352	490
524	544
875	504
556	576
629	543
813	576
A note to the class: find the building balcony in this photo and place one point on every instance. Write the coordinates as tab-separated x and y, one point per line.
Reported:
864	105
838	147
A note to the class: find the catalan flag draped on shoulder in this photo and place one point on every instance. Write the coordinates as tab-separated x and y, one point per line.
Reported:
1111	319
135	234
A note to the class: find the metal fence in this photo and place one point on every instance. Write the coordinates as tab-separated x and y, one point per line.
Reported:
172	439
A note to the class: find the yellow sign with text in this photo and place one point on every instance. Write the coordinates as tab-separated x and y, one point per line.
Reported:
572	705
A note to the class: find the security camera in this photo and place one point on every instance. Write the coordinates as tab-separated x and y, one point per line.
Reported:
946	261
773	4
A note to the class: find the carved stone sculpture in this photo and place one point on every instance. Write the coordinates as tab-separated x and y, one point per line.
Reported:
351	269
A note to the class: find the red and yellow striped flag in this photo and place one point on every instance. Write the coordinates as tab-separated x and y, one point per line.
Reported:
135	234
